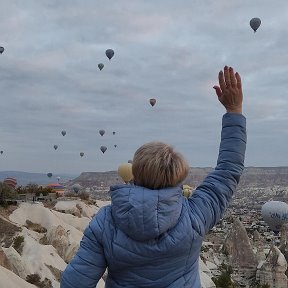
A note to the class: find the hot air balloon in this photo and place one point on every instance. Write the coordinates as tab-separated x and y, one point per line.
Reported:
113	133
125	172
130	161
103	149
109	53
10	181
102	132
152	102
1	50
1	152
275	214
76	188
55	147
63	132
49	175
100	66
58	178
255	23
186	190
81	154
115	145
58	188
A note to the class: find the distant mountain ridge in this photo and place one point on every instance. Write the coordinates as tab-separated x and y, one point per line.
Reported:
262	182
24	178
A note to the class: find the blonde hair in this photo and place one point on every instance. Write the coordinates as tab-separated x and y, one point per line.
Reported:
156	165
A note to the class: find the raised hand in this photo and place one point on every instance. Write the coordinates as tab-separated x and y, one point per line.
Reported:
230	91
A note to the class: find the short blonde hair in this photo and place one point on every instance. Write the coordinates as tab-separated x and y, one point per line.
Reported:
156	165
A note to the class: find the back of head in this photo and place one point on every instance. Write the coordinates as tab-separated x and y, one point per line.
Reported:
156	165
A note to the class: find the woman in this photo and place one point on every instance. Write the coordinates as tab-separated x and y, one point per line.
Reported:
151	236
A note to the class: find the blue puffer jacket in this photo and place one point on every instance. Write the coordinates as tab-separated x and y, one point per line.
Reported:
152	238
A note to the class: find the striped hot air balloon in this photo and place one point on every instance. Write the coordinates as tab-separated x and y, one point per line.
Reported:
10	181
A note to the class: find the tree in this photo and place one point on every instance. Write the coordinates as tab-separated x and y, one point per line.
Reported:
224	279
6	192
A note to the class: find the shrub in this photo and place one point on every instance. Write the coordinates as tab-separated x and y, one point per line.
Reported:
36	280
18	244
35	227
33	279
83	195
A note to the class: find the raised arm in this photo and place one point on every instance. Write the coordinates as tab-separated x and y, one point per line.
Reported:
212	197
89	264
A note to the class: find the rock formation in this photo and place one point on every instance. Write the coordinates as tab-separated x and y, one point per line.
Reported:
239	250
272	270
258	245
284	241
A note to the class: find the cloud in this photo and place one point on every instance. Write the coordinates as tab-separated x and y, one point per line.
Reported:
50	81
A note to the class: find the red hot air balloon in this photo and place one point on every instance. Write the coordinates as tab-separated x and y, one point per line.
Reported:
152	101
10	181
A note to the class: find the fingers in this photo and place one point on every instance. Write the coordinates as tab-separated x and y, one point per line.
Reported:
238	78
221	80
232	77
227	77
218	91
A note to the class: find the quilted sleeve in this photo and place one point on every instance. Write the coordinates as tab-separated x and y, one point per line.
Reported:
211	198
89	263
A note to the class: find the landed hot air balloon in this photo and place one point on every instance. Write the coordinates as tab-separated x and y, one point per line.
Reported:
100	66
58	188
63	132
49	175
102	132
103	149
255	23
125	172
55	147
275	214
81	154
76	188
10	181
152	102
1	152
1	50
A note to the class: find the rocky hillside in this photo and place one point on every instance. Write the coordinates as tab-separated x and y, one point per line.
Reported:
37	242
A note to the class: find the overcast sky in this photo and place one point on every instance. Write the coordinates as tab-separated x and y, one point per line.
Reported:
165	49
